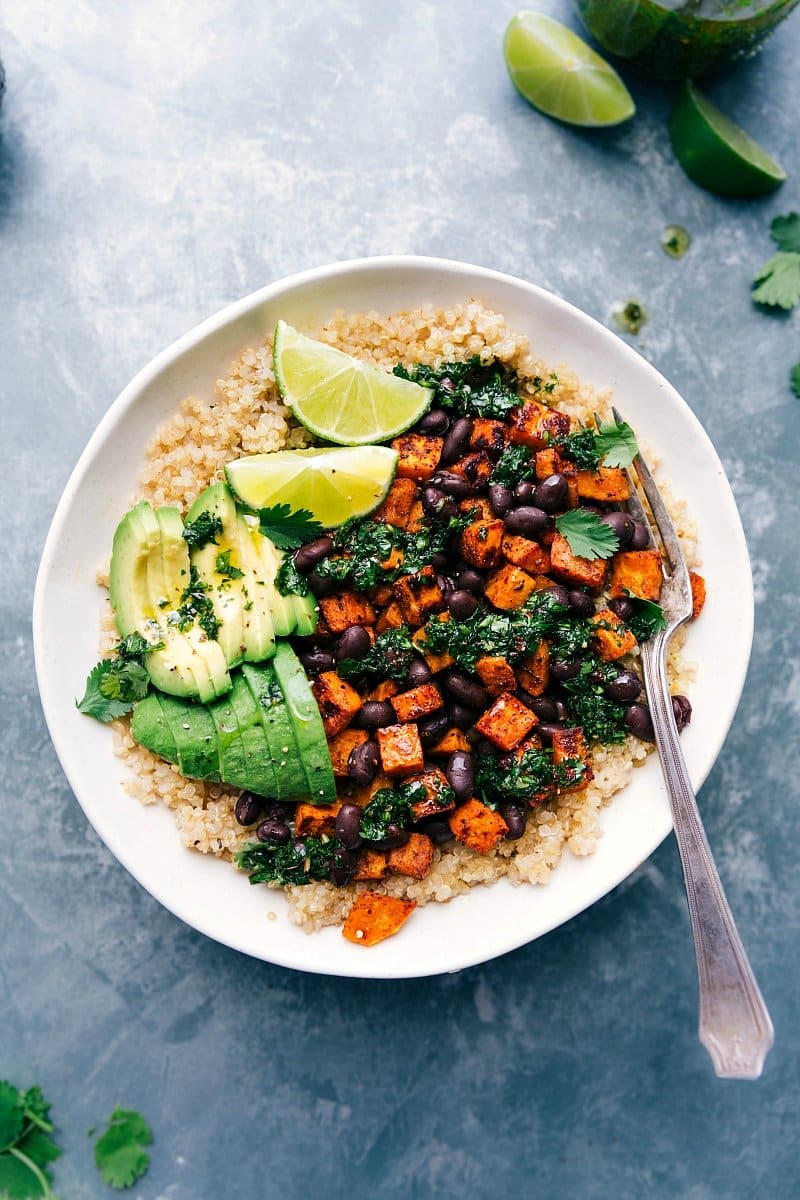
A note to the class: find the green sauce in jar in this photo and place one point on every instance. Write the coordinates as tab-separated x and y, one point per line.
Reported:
681	39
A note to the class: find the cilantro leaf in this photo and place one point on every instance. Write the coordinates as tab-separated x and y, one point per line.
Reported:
224	567
778	281
794	379
648	617
113	687
203	530
118	1152
587	536
785	231
616	444
289	528
26	1148
12	1115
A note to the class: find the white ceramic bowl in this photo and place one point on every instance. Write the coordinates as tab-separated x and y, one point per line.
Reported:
209	894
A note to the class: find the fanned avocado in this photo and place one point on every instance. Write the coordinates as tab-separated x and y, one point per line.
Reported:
195	737
307	723
150	728
257	773
274	716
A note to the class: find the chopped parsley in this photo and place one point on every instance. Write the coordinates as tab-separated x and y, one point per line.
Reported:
303	860
288	579
119	1152
777	282
224	567
389	656
202	531
582	449
196	607
586	534
27	1149
515	777
363	546
602	720
390	806
514	466
472	387
288	528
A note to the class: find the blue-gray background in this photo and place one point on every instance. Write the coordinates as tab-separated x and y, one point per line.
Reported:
159	160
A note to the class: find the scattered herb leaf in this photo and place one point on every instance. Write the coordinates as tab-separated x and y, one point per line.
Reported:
586	534
112	688
204	529
26	1147
288	528
794	379
648	617
785	232
616	444
119	1153
778	281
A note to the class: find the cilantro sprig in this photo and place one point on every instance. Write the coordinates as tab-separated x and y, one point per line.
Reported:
118	1153
586	535
777	281
613	444
289	528
26	1148
115	684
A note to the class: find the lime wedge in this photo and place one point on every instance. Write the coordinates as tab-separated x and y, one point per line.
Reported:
333	484
340	398
717	154
560	75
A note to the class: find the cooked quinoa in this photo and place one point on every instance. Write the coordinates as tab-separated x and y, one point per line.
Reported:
245	416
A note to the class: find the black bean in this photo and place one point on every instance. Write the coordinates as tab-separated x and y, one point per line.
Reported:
625	687
362	765
433	728
465	689
439	560
308	556
682	711
551	494
456	441
321	585
432	500
526	520
581	603
542	706
546	729
561	711
460	772
472	580
277	809
501	498
623	607
446	586
395	836
248	808
353	643
273	831
374	714
418	673
434	423
638	720
515	818
622	524
317	660
561	670
348	826
461	716
559	594
641	536
523	492
437	829
462	604
454	485
343	866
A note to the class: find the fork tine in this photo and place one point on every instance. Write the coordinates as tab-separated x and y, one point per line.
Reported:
663	520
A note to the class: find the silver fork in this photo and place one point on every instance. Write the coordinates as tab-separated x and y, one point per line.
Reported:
735	1026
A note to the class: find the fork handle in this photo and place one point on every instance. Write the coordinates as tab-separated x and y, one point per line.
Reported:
735	1026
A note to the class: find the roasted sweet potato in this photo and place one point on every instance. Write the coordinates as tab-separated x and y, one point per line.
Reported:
338	702
343	609
418	595
571	569
507	722
372	865
417	703
636	571
487	435
509	587
390	618
571	752
496	674
436	662
477	826
610	638
396	508
342	746
374	917
414	858
419	455
476	467
401	750
525	553
535	425
312	820
607	484
552	462
482	543
450	741
534	671
477	508
435	783
698	593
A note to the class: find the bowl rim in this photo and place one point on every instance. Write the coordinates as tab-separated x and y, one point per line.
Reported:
227	316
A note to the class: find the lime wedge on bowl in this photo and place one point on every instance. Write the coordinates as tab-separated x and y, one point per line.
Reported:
333	484
717	154
560	75
339	398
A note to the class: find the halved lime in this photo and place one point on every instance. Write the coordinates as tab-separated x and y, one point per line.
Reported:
717	154
333	484
340	398
559	74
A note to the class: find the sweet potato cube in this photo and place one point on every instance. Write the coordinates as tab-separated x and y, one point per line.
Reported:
487	435
482	543
396	508
342	746
394	560
525	553
343	609
414	858
535	425
372	865
610	637
418	594
477	508
436	661
607	484
390	618
496	674
552	462
338	702
476	467
401	749
384	690
571	753
313	820
571	568
507	722
534	671
452	740
433	780
477	826
417	703
637	571
509	587
698	585
419	455
363	795
374	918
416	518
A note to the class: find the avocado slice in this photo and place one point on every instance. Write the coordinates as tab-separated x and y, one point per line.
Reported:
306	612
257	772
150	728
195	738
274	715
306	721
